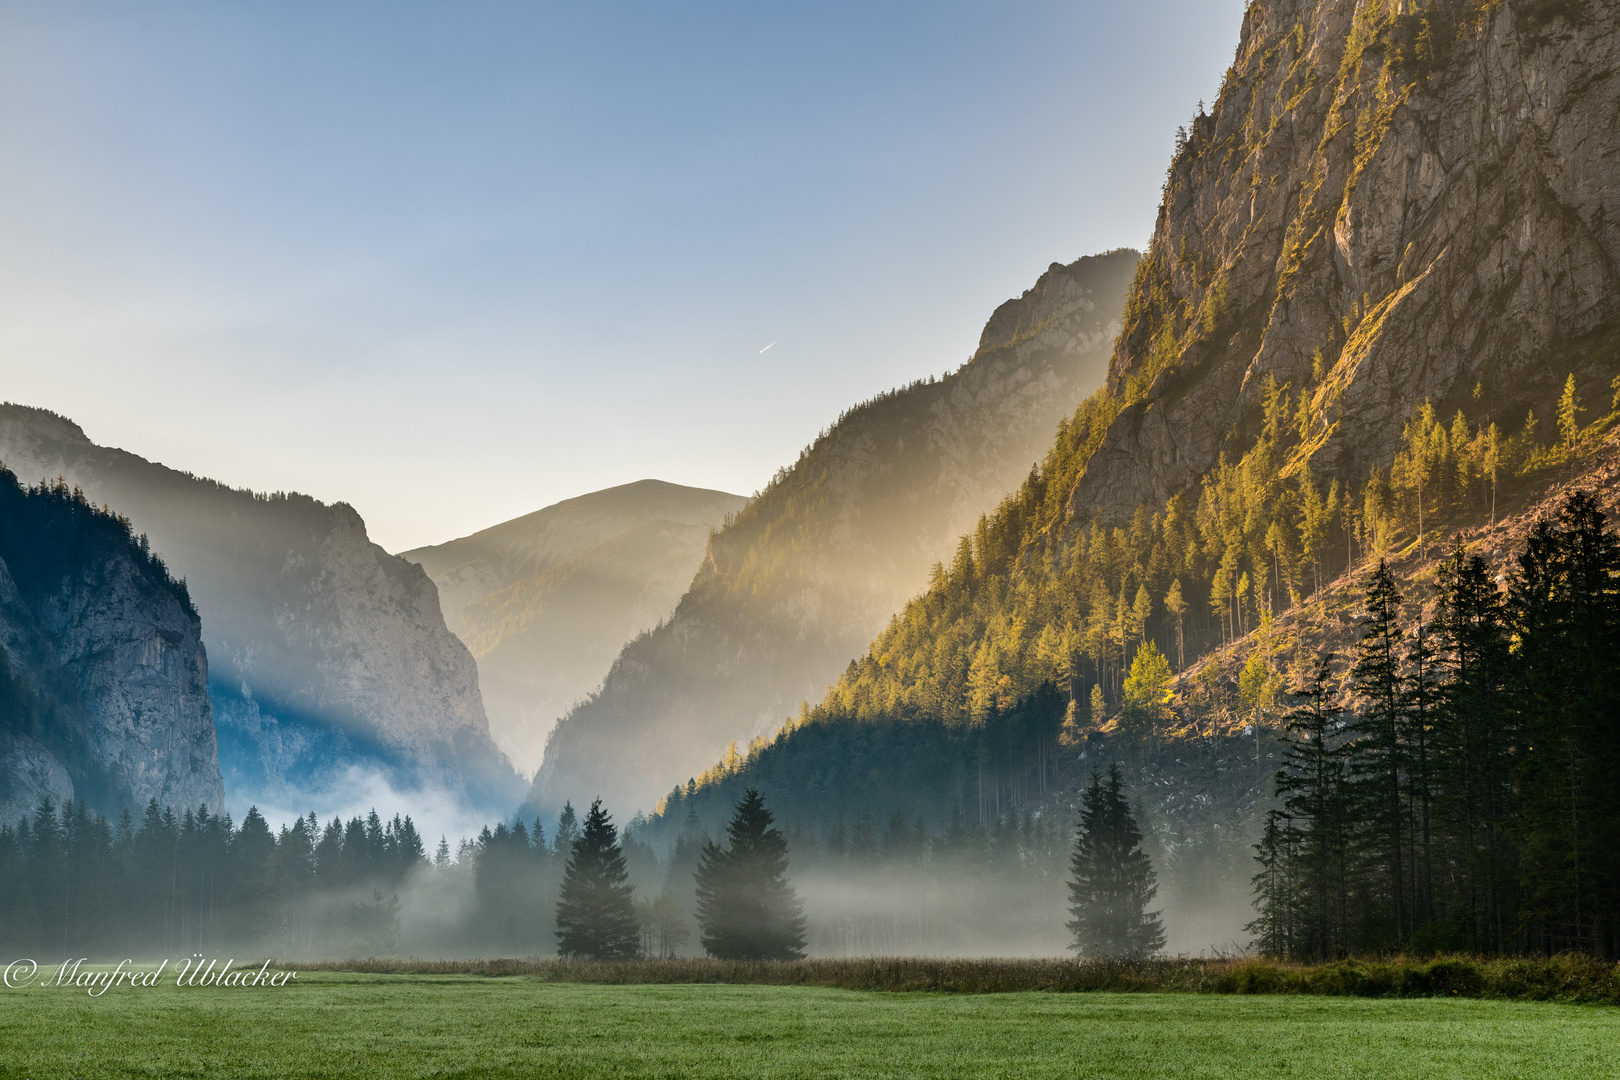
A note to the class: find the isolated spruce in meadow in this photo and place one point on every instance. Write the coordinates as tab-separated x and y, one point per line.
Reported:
746	908
1113	880
596	913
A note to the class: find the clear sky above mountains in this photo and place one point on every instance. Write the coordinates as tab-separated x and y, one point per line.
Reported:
451	263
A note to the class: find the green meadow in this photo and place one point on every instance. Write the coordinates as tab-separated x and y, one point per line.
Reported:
331	1024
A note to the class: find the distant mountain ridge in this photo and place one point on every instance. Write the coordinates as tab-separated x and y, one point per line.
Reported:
810	570
545	601
325	652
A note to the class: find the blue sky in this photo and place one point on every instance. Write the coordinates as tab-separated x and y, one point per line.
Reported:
454	262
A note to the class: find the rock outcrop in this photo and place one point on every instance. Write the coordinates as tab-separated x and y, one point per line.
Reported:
103	676
1390	201
547	600
326	651
820	561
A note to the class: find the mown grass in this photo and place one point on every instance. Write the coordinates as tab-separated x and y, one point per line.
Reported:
342	1025
1558	978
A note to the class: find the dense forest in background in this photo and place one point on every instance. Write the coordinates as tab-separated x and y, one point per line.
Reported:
72	880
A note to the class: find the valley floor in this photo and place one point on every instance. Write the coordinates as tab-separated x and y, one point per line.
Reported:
332	1024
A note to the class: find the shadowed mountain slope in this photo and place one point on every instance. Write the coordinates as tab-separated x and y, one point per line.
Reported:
547	600
824	556
103	679
325	651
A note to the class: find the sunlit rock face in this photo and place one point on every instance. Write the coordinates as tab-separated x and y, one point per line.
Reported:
103	691
547	600
325	651
1388	202
819	562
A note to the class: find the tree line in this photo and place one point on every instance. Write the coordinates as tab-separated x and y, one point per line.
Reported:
73	882
1456	783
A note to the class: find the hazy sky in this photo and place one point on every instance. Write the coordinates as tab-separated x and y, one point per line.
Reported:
454	262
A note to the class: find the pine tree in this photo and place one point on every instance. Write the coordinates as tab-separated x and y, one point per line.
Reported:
1473	734
745	906
1569	410
1564	605
596	914
1176	605
1379	753
567	830
1313	835
1275	928
1113	879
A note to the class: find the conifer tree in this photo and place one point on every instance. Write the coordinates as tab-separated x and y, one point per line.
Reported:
745	905
1472	739
1275	926
596	914
1113	880
1379	752
1569	410
1564	604
1311	835
1176	604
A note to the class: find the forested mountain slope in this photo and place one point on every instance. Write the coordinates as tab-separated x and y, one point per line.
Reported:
103	678
547	600
815	565
325	651
1289	393
1381	306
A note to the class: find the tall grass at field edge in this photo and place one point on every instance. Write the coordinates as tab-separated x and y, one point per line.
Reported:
1567	978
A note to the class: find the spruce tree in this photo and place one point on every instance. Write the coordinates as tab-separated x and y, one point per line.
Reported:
596	914
1472	739
1311	834
1113	880
1564	604
1379	753
745	906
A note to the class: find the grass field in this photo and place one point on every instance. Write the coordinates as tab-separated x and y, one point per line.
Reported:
362	1025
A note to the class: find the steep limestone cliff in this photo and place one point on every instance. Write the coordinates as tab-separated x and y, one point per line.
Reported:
819	562
1390	201
103	677
325	650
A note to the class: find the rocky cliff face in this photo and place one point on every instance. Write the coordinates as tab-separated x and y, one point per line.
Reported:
1390	201
325	650
103	696
546	601
823	558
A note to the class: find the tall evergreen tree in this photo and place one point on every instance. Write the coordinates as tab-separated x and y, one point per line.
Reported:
596	914
1473	739
1564	604
1113	880
1311	835
1379	755
745	905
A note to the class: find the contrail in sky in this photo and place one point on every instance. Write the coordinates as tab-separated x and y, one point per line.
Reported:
768	347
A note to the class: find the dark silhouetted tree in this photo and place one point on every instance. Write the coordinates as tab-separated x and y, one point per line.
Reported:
1113	880
745	905
596	913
